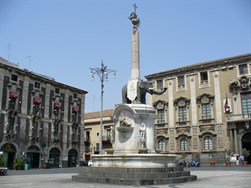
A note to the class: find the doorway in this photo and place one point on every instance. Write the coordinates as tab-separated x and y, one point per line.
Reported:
9	153
54	158
246	143
72	158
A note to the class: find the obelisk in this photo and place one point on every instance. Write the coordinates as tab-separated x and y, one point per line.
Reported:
135	69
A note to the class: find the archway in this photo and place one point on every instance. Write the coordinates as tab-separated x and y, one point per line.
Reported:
54	158
9	153
72	158
246	143
33	156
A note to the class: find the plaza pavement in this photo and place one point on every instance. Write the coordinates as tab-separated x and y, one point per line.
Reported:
208	177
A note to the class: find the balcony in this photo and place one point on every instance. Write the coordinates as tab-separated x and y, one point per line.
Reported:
238	118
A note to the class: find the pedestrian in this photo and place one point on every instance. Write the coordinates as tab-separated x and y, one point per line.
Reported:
237	160
241	159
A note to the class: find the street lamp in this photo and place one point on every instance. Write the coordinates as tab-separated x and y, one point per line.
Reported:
103	73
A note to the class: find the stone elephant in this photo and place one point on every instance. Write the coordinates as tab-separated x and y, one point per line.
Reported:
143	87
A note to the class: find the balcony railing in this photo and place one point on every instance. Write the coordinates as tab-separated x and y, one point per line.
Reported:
238	117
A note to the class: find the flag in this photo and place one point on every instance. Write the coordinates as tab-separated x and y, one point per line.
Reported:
226	106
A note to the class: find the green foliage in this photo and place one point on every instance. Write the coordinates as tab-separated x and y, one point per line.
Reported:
19	163
197	156
228	153
184	155
2	161
245	153
213	155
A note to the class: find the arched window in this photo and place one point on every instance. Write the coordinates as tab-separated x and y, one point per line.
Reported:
208	143
162	144
183	144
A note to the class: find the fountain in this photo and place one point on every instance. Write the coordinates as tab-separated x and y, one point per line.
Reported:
133	159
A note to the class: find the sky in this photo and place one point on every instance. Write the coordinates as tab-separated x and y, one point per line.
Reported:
63	39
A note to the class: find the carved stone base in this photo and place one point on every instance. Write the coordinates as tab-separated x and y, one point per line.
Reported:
143	150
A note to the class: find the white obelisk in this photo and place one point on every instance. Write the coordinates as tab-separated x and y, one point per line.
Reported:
135	74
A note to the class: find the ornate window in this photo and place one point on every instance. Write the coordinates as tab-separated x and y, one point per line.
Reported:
205	104
161	111
183	144
182	110
206	111
159	84
246	103
161	116
182	114
181	82
204	78
162	144
243	69
208	143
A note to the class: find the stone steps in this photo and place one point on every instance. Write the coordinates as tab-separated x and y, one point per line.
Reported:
134	176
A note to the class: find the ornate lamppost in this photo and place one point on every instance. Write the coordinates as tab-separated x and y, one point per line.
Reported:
103	73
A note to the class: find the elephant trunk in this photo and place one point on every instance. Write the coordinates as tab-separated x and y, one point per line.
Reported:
156	91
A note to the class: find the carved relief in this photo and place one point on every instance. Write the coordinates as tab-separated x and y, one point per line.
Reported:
125	122
160	104
195	137
181	101
182	130
161	132
220	136
205	98
237	85
172	140
206	128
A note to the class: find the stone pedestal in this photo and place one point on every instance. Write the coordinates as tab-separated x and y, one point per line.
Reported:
134	128
134	140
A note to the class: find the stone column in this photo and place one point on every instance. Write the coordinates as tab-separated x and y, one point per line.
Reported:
218	103
194	118
231	139
172	115
235	141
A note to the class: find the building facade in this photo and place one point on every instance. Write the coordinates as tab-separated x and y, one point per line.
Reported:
206	107
40	119
92	132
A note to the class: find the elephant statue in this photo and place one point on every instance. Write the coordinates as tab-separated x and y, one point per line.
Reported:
143	87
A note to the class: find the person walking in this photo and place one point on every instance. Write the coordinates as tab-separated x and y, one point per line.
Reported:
237	160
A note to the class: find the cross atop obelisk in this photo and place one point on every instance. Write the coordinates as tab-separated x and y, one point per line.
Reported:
135	7
135	70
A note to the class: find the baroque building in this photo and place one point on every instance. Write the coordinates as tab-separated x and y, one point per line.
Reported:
206	107
40	119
